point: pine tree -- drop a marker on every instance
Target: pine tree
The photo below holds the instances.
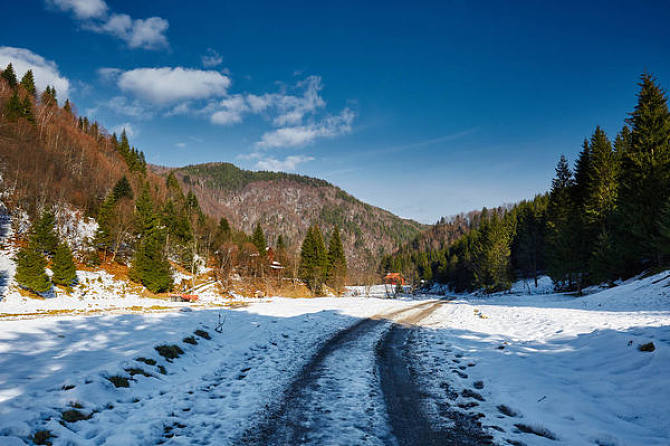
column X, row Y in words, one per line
column 144, row 210
column 44, row 232
column 64, row 270
column 14, row 107
column 28, row 82
column 281, row 244
column 122, row 189
column 313, row 260
column 561, row 263
column 9, row 76
column 337, row 263
column 30, row 269
column 103, row 235
column 48, row 97
column 27, row 109
column 645, row 179
column 258, row 239
column 224, row 227
column 601, row 196
column 150, row 267
column 67, row 107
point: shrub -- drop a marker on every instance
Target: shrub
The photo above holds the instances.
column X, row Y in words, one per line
column 147, row 361
column 190, row 340
column 169, row 352
column 203, row 334
column 74, row 415
column 119, row 381
column 42, row 437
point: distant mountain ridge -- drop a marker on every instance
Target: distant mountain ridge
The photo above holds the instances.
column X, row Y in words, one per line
column 288, row 204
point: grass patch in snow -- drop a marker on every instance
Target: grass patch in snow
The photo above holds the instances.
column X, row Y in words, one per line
column 203, row 334
column 190, row 340
column 169, row 352
column 132, row 371
column 42, row 437
column 162, row 370
column 648, row 347
column 74, row 415
column 147, row 361
column 119, row 381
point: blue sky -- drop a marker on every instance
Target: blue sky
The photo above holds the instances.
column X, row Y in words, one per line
column 425, row 109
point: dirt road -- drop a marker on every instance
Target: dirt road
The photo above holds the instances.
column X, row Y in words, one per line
column 358, row 389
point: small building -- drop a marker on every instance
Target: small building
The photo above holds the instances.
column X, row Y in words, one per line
column 184, row 298
column 394, row 279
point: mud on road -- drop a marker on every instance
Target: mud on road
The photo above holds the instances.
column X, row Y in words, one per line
column 358, row 389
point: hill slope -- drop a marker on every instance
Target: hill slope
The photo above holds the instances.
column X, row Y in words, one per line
column 288, row 204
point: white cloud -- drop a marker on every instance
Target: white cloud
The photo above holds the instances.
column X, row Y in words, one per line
column 109, row 74
column 297, row 136
column 168, row 85
column 137, row 33
column 82, row 9
column 211, row 58
column 288, row 164
column 130, row 129
column 45, row 71
column 287, row 109
column 122, row 106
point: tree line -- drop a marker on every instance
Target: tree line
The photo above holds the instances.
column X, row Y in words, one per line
column 606, row 218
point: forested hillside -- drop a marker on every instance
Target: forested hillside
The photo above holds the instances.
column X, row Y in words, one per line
column 287, row 205
column 605, row 219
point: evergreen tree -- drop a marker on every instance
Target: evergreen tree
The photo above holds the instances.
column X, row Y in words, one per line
column 67, row 107
column 64, row 270
column 601, row 196
column 122, row 189
column 30, row 269
column 313, row 260
column 44, row 233
column 645, row 180
column 103, row 235
column 27, row 109
column 224, row 227
column 622, row 143
column 150, row 267
column 48, row 97
column 144, row 210
column 258, row 239
column 281, row 244
column 28, row 82
column 337, row 263
column 561, row 263
column 9, row 76
column 14, row 107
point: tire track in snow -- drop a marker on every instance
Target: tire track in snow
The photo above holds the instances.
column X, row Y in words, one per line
column 336, row 398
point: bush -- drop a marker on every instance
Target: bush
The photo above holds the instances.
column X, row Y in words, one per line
column 190, row 340
column 169, row 352
column 42, row 437
column 119, row 381
column 203, row 334
column 74, row 415
column 147, row 361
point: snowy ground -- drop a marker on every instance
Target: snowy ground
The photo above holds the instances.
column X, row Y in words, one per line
column 562, row 367
column 569, row 368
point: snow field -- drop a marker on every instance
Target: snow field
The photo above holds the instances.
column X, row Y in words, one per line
column 209, row 394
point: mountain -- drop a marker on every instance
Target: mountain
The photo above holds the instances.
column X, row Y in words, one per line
column 287, row 204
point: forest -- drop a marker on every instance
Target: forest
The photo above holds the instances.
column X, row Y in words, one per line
column 606, row 218
column 55, row 163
